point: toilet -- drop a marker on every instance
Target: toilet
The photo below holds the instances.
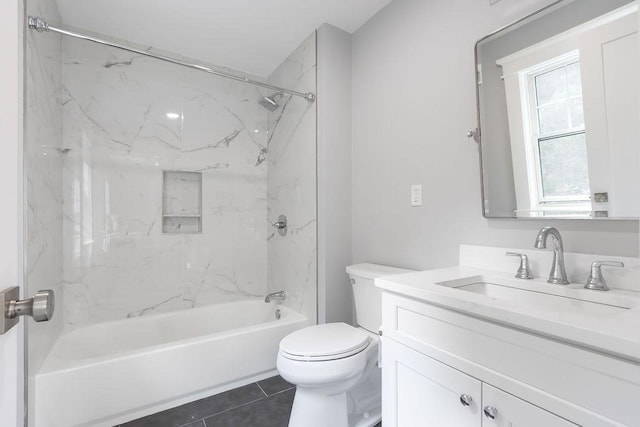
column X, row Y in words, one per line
column 334, row 365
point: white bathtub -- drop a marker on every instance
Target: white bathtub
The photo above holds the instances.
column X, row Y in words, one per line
column 105, row 374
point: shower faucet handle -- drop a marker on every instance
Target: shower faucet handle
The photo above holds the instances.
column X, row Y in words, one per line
column 524, row 271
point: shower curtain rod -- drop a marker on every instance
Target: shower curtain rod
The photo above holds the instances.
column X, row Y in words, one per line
column 40, row 25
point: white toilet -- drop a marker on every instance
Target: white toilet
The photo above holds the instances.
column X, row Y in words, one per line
column 334, row 365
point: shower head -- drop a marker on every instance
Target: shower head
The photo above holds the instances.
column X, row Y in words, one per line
column 269, row 102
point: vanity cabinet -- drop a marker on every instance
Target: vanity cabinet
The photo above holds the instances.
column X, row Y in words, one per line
column 441, row 367
column 420, row 391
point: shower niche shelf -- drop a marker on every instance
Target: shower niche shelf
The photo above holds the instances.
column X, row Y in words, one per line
column 181, row 202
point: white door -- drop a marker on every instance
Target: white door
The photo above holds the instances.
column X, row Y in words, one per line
column 420, row 391
column 501, row 409
column 11, row 343
column 609, row 60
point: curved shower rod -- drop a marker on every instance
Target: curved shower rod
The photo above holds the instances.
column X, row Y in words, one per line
column 40, row 25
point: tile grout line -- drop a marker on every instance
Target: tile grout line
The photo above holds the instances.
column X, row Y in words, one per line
column 231, row 409
column 204, row 419
column 195, row 421
column 282, row 391
column 262, row 390
column 206, row 424
column 235, row 407
column 264, row 396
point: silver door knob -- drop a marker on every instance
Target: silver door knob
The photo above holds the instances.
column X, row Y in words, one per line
column 465, row 400
column 490, row 412
column 40, row 307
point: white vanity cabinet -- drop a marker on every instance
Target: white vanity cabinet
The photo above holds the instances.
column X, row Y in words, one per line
column 441, row 367
column 420, row 391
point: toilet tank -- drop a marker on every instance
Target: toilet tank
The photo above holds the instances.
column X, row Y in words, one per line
column 366, row 295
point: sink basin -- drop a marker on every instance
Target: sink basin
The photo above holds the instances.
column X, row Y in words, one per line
column 543, row 299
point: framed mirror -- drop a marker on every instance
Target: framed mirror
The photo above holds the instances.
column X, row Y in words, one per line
column 558, row 114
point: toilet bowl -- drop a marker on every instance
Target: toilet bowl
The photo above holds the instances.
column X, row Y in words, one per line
column 335, row 366
column 326, row 362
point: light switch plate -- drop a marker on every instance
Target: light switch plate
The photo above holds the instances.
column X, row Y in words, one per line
column 416, row 195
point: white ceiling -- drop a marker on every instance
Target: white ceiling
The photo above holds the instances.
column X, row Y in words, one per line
column 253, row 36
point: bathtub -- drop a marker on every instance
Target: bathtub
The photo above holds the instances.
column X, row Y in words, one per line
column 109, row 373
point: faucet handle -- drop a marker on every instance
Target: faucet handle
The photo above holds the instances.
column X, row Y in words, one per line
column 596, row 280
column 524, row 271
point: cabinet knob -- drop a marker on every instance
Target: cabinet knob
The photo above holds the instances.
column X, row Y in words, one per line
column 490, row 412
column 465, row 399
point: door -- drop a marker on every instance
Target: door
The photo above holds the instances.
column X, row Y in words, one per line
column 11, row 343
column 501, row 409
column 420, row 391
column 610, row 64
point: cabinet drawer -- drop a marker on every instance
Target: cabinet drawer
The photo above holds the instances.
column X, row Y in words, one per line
column 513, row 412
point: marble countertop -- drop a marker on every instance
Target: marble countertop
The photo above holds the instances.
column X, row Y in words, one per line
column 602, row 327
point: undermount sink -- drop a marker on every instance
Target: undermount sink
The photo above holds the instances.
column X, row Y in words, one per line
column 595, row 305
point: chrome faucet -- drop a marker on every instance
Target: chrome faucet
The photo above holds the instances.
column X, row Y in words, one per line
column 558, row 274
column 278, row 296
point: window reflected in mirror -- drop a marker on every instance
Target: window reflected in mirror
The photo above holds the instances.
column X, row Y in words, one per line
column 558, row 100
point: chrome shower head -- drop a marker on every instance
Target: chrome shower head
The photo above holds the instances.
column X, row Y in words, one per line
column 269, row 102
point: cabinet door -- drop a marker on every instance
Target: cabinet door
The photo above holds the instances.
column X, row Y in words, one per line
column 419, row 391
column 509, row 411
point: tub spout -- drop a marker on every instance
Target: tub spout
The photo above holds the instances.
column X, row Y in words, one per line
column 278, row 296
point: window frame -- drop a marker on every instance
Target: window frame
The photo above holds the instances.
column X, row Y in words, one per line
column 533, row 136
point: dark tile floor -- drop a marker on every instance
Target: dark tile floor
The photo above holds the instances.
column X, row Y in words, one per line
column 266, row 403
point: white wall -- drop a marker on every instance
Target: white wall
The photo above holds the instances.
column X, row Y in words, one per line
column 413, row 101
column 11, row 349
column 335, row 298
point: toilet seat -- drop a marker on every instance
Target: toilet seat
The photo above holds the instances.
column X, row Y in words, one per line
column 325, row 342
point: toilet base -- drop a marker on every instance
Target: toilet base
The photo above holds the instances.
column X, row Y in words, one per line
column 359, row 407
column 367, row 419
column 313, row 410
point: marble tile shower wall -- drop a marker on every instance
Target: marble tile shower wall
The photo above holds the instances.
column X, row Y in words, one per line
column 292, row 183
column 43, row 165
column 126, row 120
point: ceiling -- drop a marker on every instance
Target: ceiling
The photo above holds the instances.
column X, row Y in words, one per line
column 253, row 36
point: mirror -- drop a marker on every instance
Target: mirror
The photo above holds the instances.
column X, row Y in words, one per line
column 558, row 113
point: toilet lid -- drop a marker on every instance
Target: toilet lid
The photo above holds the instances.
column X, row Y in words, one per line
column 324, row 342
